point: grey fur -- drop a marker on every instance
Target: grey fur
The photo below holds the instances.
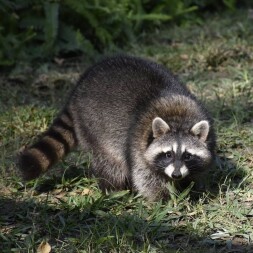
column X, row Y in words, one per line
column 113, row 108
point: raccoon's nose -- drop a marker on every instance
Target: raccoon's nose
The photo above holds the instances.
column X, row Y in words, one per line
column 176, row 175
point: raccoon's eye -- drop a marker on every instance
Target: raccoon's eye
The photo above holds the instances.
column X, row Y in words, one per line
column 168, row 154
column 187, row 157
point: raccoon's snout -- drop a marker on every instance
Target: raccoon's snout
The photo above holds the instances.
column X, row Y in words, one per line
column 176, row 175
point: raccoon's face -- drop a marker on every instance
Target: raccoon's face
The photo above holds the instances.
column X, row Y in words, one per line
column 178, row 154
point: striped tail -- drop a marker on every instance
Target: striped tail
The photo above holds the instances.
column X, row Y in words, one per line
column 54, row 144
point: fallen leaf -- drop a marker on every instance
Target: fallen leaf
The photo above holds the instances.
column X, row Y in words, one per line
column 44, row 247
column 192, row 213
column 59, row 61
column 86, row 191
column 220, row 235
column 184, row 56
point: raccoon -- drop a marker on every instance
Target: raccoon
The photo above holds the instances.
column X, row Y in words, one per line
column 143, row 127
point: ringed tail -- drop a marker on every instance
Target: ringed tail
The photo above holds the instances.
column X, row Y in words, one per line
column 52, row 146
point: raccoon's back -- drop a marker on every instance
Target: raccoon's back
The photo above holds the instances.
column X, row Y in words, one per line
column 112, row 93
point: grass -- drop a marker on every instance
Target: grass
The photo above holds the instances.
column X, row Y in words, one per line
column 65, row 207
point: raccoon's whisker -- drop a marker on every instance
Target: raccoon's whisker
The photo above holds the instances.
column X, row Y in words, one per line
column 161, row 167
column 195, row 169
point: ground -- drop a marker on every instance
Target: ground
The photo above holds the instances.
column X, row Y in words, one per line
column 65, row 208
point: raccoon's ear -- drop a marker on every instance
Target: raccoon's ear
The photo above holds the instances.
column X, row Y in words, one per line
column 159, row 127
column 201, row 130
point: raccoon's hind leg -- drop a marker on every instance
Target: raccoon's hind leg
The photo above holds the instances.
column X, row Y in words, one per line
column 53, row 145
column 112, row 175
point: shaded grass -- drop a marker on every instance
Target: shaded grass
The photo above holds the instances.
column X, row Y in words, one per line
column 67, row 209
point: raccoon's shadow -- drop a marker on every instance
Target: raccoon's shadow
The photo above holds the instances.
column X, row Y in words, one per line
column 70, row 174
column 224, row 175
column 95, row 225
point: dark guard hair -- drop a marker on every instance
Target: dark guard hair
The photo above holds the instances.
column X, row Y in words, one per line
column 128, row 111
